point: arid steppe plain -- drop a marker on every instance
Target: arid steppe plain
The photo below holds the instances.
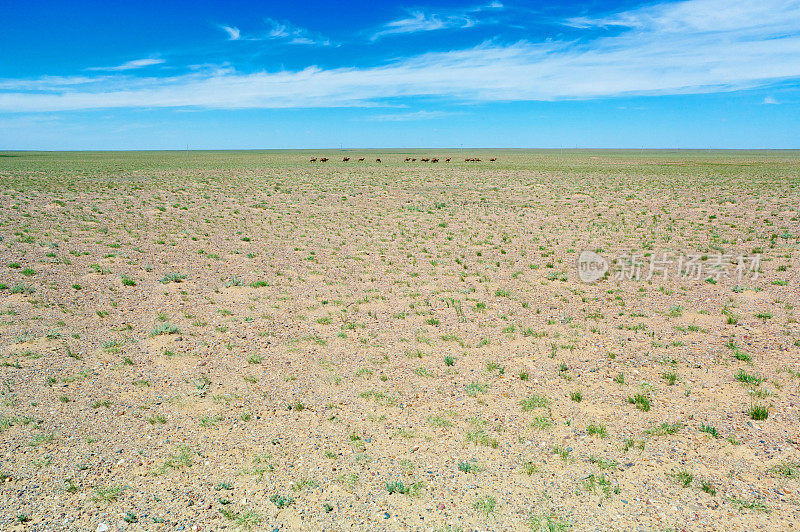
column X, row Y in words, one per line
column 247, row 339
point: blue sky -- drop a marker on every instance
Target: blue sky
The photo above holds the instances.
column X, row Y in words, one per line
column 145, row 75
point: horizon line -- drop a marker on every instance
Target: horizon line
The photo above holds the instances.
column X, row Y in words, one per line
column 385, row 149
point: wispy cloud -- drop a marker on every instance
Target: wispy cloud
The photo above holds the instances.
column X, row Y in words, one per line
column 234, row 34
column 691, row 17
column 419, row 21
column 663, row 49
column 277, row 30
column 294, row 34
column 130, row 65
column 769, row 100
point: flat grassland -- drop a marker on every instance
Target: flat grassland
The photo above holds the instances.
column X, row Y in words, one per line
column 252, row 340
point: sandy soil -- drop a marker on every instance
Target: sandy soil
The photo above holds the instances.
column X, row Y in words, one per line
column 251, row 340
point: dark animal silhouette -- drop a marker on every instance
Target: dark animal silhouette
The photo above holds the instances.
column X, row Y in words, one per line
column 377, row 160
column 424, row 159
column 324, row 159
column 313, row 159
column 407, row 159
column 434, row 160
column 447, row 160
column 345, row 159
column 360, row 159
column 493, row 159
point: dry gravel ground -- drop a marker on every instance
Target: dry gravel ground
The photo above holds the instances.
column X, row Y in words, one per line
column 250, row 340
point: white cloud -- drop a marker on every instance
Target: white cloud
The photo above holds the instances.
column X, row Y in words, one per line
column 769, row 100
column 293, row 34
column 703, row 16
column 419, row 21
column 130, row 65
column 278, row 30
column 281, row 31
column 234, row 34
column 662, row 49
column 47, row 83
column 416, row 22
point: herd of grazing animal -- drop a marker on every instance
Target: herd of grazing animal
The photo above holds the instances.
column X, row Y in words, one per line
column 344, row 159
column 432, row 160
